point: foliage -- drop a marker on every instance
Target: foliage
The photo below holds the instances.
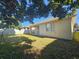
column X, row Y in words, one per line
column 13, row 11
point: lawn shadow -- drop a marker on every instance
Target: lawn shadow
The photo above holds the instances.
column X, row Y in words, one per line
column 21, row 48
column 15, row 48
column 43, row 36
column 61, row 49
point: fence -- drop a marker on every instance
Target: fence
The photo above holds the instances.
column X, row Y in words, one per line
column 11, row 31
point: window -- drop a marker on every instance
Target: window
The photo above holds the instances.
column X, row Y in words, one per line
column 49, row 27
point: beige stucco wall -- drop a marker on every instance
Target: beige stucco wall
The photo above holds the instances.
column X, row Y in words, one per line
column 72, row 23
column 34, row 31
column 61, row 29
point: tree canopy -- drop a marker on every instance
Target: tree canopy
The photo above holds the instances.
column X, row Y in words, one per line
column 15, row 11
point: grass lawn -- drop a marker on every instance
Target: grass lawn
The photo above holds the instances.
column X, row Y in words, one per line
column 33, row 47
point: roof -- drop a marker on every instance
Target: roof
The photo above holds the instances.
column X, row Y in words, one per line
column 48, row 20
column 45, row 21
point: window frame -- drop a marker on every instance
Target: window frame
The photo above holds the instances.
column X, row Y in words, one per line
column 49, row 27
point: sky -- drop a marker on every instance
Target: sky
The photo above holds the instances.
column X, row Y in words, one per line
column 77, row 17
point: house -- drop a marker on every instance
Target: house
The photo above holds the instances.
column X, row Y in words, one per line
column 54, row 27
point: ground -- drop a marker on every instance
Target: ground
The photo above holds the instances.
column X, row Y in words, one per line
column 34, row 47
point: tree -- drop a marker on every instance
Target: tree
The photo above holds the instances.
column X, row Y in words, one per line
column 13, row 11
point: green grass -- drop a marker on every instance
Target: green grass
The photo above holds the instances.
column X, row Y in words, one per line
column 11, row 47
column 33, row 47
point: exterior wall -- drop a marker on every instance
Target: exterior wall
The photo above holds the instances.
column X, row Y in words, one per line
column 72, row 24
column 26, row 31
column 61, row 29
column 34, row 31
